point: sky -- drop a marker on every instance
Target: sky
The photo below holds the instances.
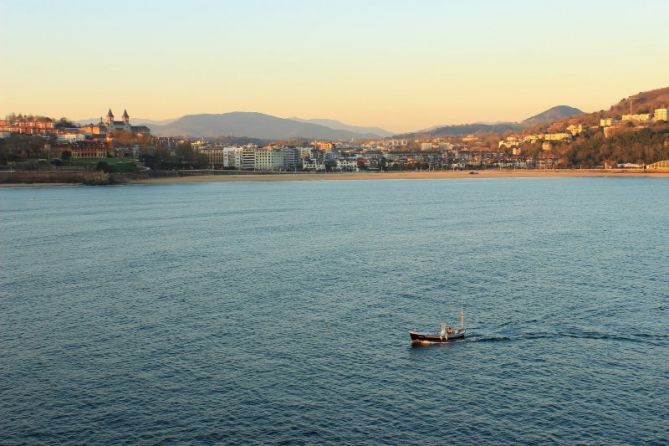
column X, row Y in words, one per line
column 401, row 65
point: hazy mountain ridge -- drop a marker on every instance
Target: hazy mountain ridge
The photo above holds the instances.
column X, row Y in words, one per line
column 249, row 124
column 338, row 125
column 552, row 114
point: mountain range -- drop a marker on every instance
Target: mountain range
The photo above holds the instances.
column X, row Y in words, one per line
column 552, row 114
column 267, row 127
column 259, row 125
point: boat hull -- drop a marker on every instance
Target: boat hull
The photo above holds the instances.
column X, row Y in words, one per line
column 433, row 338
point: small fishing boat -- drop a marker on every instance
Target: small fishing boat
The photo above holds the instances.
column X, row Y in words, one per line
column 446, row 333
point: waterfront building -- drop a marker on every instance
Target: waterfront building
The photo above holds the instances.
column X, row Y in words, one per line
column 659, row 165
column 248, row 158
column 268, row 159
column 313, row 164
column 347, row 164
column 290, row 158
column 215, row 155
column 232, row 157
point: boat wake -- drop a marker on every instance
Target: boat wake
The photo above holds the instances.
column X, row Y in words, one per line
column 646, row 338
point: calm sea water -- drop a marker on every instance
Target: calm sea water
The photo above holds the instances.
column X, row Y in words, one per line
column 233, row 313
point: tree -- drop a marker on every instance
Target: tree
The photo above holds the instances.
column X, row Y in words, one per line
column 103, row 166
column 64, row 123
column 66, row 155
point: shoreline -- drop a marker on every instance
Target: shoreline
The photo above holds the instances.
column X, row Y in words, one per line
column 360, row 176
column 436, row 175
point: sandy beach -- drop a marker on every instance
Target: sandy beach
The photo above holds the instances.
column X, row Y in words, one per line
column 407, row 175
column 360, row 176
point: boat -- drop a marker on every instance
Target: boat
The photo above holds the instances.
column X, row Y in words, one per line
column 446, row 333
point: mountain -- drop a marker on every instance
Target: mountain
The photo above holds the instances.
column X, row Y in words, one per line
column 466, row 129
column 249, row 124
column 552, row 114
column 367, row 131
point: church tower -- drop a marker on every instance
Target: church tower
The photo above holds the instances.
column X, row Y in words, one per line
column 126, row 117
column 110, row 117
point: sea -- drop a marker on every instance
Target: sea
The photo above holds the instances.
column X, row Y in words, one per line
column 279, row 313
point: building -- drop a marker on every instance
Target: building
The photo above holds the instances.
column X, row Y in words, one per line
column 215, row 155
column 268, row 159
column 248, row 158
column 606, row 122
column 557, row 137
column 640, row 117
column 661, row 114
column 347, row 164
column 312, row 164
column 659, row 165
column 232, row 157
column 291, row 158
column 70, row 137
column 111, row 125
column 87, row 150
column 575, row 129
column 28, row 125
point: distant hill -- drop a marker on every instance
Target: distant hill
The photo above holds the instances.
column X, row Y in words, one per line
column 371, row 131
column 552, row 114
column 466, row 129
column 252, row 125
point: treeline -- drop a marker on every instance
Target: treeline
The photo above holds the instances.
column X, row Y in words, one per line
column 641, row 146
column 16, row 148
column 181, row 157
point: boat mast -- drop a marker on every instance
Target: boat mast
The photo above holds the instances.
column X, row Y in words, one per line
column 462, row 319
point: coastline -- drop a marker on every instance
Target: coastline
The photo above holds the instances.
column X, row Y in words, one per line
column 361, row 176
column 353, row 176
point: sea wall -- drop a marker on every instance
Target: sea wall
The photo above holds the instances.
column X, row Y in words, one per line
column 54, row 176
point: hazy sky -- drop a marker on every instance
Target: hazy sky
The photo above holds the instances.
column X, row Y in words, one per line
column 403, row 65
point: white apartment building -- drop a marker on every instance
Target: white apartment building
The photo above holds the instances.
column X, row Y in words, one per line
column 312, row 164
column 232, row 157
column 268, row 159
column 248, row 158
column 347, row 164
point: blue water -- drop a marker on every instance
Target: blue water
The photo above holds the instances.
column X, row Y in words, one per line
column 255, row 312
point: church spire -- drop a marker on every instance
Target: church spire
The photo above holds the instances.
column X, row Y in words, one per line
column 126, row 117
column 110, row 117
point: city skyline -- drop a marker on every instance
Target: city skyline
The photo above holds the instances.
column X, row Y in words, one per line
column 394, row 65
